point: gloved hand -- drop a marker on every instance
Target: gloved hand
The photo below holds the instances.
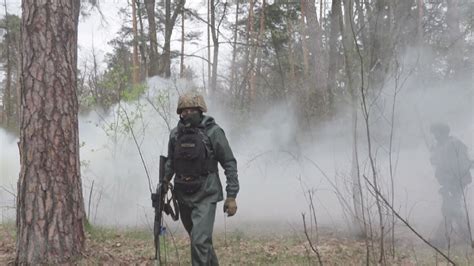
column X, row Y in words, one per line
column 230, row 206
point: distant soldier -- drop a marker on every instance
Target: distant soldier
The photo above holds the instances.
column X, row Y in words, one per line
column 195, row 147
column 452, row 166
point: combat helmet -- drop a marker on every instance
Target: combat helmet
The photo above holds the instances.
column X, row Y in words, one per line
column 191, row 99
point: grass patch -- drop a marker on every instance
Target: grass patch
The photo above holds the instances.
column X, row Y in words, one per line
column 129, row 246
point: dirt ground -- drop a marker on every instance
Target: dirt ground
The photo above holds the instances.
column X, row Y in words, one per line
column 108, row 246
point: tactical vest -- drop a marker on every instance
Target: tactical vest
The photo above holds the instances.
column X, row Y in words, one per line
column 193, row 158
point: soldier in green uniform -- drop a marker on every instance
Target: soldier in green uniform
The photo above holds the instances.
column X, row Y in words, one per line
column 452, row 166
column 195, row 148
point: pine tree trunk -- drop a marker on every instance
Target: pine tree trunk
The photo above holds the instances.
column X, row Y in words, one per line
column 315, row 40
column 255, row 59
column 7, row 96
column 181, row 65
column 304, row 33
column 50, row 208
column 234, row 49
column 247, row 68
column 7, row 99
column 291, row 52
column 136, row 64
column 143, row 47
column 153, row 53
column 420, row 31
column 380, row 47
column 165, row 62
column 333, row 54
column 215, row 42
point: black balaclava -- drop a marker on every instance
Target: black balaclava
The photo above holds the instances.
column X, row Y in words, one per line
column 192, row 119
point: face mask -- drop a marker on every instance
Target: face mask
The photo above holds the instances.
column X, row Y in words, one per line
column 192, row 120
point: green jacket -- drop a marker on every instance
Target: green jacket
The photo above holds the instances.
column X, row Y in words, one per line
column 222, row 153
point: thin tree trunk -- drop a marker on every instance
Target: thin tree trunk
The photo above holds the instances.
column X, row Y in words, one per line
column 256, row 54
column 143, row 48
column 291, row 52
column 136, row 64
column 50, row 207
column 165, row 64
column 181, row 65
column 215, row 42
column 314, row 31
column 209, row 63
column 420, row 22
column 361, row 23
column 380, row 46
column 304, row 34
column 348, row 46
column 234, row 48
column 7, row 99
column 333, row 54
column 247, row 64
column 18, row 84
column 321, row 9
column 153, row 53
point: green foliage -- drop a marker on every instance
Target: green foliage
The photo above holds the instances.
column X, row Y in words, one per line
column 134, row 92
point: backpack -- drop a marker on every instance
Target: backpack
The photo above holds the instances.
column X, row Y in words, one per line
column 193, row 159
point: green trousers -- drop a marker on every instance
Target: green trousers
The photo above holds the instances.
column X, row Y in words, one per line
column 198, row 220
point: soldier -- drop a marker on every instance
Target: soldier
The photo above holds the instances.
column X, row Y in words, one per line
column 195, row 147
column 452, row 166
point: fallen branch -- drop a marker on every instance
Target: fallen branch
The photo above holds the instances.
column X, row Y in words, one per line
column 405, row 222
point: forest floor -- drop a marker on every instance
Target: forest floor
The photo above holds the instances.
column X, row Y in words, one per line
column 107, row 246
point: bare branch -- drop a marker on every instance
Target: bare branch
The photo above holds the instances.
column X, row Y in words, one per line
column 314, row 248
column 138, row 148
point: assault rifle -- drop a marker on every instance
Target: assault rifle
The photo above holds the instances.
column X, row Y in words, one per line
column 162, row 204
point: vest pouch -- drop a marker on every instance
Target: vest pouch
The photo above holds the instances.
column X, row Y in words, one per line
column 188, row 185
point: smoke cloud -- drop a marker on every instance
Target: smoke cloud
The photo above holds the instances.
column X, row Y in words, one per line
column 278, row 162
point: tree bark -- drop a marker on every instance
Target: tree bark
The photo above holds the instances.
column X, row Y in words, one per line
column 7, row 99
column 50, row 208
column 315, row 39
column 143, row 48
column 420, row 31
column 215, row 42
column 181, row 65
column 136, row 63
column 170, row 20
column 208, row 27
column 247, row 68
column 234, row 48
column 333, row 54
column 257, row 54
column 153, row 53
column 380, row 47
column 291, row 52
column 304, row 34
